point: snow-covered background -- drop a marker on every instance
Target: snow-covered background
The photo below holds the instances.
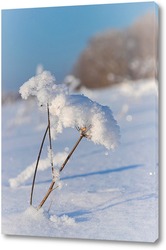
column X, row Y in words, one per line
column 109, row 195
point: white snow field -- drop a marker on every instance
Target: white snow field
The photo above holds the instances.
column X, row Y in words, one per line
column 105, row 195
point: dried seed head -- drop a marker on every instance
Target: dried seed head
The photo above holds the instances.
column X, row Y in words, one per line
column 84, row 131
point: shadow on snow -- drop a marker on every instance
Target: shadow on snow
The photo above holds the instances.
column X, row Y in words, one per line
column 84, row 215
column 106, row 171
column 102, row 172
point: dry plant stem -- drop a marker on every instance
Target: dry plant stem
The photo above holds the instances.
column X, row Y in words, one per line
column 47, row 194
column 49, row 132
column 37, row 163
column 70, row 154
column 63, row 165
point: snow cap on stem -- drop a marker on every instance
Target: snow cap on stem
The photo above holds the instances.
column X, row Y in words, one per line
column 94, row 121
column 43, row 86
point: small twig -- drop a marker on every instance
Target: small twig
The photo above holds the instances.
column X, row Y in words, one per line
column 62, row 167
column 37, row 163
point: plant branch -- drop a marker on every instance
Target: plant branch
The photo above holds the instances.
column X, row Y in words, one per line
column 62, row 167
column 37, row 163
column 47, row 194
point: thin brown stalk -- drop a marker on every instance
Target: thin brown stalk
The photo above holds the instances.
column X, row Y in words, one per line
column 37, row 163
column 62, row 167
column 47, row 194
column 72, row 151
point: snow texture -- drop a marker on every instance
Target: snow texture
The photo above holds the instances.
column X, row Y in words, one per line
column 106, row 195
column 64, row 219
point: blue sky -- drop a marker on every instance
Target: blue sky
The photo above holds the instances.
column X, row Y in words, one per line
column 55, row 36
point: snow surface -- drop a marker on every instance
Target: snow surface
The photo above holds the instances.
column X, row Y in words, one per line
column 108, row 195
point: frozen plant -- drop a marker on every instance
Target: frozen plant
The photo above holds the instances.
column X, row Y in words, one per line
column 93, row 121
column 43, row 86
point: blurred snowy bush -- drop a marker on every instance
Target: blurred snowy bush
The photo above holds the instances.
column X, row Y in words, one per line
column 117, row 55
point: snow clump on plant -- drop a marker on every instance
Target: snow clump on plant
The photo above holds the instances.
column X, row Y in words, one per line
column 43, row 86
column 95, row 121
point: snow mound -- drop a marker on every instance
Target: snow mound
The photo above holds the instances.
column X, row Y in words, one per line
column 33, row 213
column 63, row 220
column 78, row 111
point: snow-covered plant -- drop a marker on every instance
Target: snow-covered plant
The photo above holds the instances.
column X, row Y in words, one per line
column 93, row 121
column 43, row 86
